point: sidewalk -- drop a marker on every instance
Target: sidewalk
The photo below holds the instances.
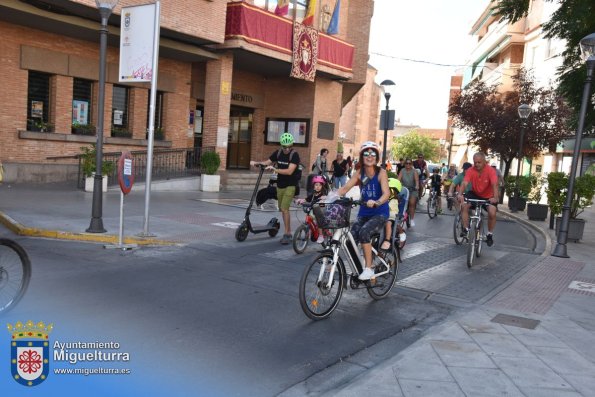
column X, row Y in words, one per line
column 536, row 337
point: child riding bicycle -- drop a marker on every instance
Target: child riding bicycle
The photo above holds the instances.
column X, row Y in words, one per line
column 399, row 197
column 319, row 192
column 435, row 186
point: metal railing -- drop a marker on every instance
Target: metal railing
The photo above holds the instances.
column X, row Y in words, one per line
column 167, row 164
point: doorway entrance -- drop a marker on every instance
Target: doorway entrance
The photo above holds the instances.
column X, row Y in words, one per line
column 240, row 136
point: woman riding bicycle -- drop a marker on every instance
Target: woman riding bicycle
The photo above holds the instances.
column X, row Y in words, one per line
column 375, row 193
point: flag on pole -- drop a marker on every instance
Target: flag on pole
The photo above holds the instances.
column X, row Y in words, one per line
column 333, row 26
column 282, row 7
column 309, row 18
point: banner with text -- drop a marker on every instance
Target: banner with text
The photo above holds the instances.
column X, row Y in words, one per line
column 137, row 34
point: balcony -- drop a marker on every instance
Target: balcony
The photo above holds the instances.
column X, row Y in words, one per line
column 260, row 35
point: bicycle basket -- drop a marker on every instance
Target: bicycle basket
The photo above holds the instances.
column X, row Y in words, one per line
column 332, row 215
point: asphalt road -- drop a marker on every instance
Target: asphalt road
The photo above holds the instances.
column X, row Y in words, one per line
column 223, row 318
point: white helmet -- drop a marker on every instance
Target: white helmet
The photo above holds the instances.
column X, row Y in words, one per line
column 369, row 145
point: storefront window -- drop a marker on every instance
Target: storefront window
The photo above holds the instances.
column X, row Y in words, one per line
column 38, row 102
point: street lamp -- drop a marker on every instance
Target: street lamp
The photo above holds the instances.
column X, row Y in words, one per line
column 388, row 87
column 524, row 112
column 588, row 55
column 105, row 9
column 452, row 134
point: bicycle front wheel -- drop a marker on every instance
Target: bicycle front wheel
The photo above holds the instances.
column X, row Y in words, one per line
column 479, row 239
column 301, row 238
column 432, row 209
column 318, row 298
column 15, row 273
column 379, row 286
column 471, row 244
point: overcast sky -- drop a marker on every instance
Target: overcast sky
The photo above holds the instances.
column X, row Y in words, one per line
column 434, row 31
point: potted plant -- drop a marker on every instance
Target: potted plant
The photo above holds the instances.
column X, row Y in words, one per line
column 535, row 210
column 524, row 188
column 83, row 129
column 209, row 164
column 39, row 125
column 582, row 197
column 88, row 160
column 159, row 134
column 119, row 132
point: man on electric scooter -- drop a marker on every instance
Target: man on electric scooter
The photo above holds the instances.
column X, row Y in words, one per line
column 287, row 161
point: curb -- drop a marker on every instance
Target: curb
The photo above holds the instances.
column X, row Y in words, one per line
column 545, row 234
column 22, row 230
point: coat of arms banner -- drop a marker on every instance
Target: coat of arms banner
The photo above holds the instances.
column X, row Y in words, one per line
column 305, row 52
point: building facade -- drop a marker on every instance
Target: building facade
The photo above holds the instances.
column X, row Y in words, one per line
column 223, row 81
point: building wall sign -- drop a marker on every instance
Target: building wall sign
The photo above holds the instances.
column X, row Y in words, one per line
column 249, row 100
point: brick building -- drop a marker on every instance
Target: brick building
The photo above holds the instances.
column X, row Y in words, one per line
column 223, row 81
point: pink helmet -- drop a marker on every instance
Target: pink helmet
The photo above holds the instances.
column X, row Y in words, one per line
column 318, row 179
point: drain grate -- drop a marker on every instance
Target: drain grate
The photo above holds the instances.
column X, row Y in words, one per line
column 521, row 322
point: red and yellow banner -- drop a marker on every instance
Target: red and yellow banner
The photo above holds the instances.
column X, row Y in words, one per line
column 305, row 52
column 309, row 18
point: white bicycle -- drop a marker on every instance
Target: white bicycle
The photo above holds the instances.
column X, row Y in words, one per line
column 324, row 280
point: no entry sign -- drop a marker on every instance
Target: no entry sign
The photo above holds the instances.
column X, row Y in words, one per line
column 125, row 174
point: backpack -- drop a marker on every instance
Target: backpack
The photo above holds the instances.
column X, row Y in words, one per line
column 297, row 174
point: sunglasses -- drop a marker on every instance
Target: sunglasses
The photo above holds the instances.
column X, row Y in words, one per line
column 369, row 154
column 286, row 147
column 408, row 163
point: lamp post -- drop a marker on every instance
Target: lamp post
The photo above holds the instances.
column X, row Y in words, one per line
column 387, row 86
column 588, row 54
column 524, row 112
column 105, row 9
column 452, row 134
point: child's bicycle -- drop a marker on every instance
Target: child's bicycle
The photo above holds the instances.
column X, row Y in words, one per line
column 306, row 232
column 324, row 280
column 15, row 273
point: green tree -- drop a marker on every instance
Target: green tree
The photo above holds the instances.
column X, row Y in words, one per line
column 492, row 123
column 573, row 20
column 412, row 143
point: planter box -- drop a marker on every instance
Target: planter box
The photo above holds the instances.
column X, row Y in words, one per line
column 90, row 183
column 210, row 183
column 522, row 203
column 537, row 212
column 576, row 228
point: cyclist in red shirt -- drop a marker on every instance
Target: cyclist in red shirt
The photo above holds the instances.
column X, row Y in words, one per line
column 484, row 186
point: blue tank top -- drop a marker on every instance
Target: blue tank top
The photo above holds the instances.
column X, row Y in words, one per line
column 372, row 191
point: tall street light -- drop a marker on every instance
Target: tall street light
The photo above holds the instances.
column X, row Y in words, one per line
column 588, row 55
column 105, row 9
column 452, row 134
column 388, row 87
column 524, row 112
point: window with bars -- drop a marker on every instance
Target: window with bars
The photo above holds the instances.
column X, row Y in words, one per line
column 38, row 102
column 82, row 94
column 158, row 120
column 120, row 112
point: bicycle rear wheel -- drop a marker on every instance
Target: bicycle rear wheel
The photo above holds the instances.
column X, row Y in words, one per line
column 15, row 273
column 471, row 244
column 301, row 237
column 317, row 299
column 457, row 229
column 380, row 286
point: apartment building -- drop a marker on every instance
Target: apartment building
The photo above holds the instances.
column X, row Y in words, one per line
column 224, row 81
column 502, row 48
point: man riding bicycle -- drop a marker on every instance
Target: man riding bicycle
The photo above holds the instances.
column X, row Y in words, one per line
column 484, row 186
column 421, row 165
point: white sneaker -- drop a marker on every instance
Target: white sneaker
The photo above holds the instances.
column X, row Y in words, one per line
column 320, row 240
column 402, row 237
column 412, row 223
column 366, row 274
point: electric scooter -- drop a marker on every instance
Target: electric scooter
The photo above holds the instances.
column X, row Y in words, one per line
column 246, row 226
